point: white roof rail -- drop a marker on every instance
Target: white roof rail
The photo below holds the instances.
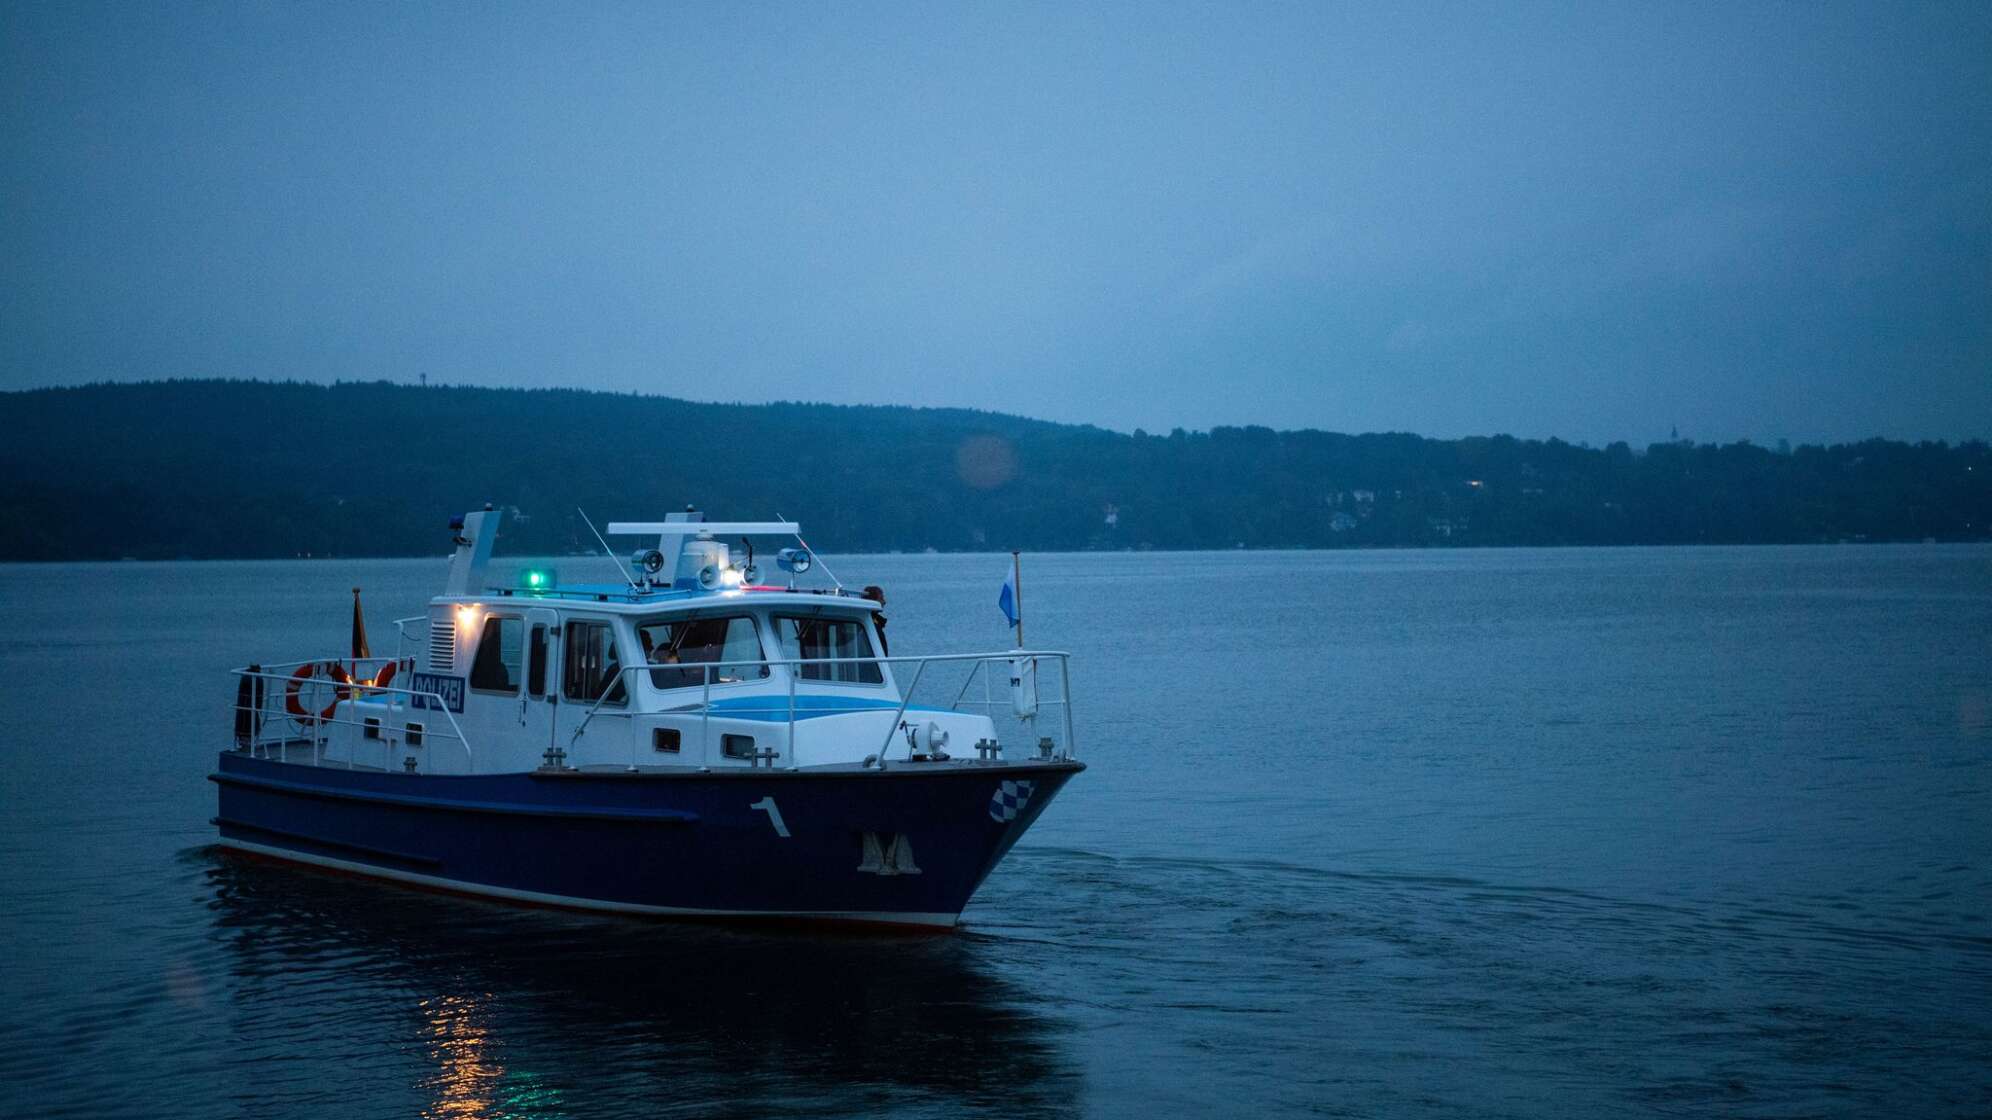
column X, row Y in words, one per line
column 716, row 528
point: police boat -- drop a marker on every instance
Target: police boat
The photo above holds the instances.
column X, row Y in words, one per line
column 689, row 742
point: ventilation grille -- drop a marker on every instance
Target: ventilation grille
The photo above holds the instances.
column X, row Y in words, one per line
column 442, row 647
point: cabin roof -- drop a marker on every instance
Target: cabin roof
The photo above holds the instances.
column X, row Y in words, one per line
column 623, row 599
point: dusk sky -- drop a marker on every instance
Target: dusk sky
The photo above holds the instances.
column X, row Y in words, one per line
column 1587, row 220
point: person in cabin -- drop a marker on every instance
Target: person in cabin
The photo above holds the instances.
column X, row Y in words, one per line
column 651, row 652
column 877, row 595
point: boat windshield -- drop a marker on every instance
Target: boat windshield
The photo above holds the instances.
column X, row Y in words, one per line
column 814, row 638
column 684, row 645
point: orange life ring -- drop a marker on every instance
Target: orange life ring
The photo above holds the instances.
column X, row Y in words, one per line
column 335, row 672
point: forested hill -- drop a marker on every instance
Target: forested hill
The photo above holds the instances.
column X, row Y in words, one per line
column 254, row 469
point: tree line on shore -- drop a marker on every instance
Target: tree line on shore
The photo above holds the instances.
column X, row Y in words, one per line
column 205, row 469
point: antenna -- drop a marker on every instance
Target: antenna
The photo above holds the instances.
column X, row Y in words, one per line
column 606, row 550
column 812, row 552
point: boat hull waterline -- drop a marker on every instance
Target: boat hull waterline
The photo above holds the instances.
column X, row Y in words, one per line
column 904, row 846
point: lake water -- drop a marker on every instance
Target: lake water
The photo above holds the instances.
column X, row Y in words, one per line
column 1451, row 833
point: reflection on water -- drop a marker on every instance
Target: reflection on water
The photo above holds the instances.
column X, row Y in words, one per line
column 465, row 1077
column 517, row 1013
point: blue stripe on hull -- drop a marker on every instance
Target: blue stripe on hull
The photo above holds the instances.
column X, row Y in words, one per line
column 648, row 843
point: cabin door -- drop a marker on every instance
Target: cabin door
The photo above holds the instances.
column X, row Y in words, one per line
column 592, row 694
column 541, row 694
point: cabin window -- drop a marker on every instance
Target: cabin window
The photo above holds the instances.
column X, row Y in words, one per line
column 536, row 663
column 686, row 645
column 499, row 652
column 412, row 735
column 591, row 670
column 666, row 739
column 736, row 746
column 811, row 639
column 370, row 728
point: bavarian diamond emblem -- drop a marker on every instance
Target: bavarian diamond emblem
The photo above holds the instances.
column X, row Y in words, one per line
column 1009, row 800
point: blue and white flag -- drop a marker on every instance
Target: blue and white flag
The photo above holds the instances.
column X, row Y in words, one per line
column 1007, row 599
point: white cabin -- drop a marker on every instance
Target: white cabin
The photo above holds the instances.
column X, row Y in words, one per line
column 692, row 663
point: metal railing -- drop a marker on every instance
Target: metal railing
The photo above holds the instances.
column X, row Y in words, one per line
column 401, row 626
column 278, row 716
column 984, row 665
column 269, row 726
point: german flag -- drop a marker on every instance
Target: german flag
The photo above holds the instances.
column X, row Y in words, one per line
column 360, row 648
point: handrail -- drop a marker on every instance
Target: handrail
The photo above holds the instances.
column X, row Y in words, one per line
column 401, row 630
column 358, row 691
column 1064, row 701
column 273, row 666
column 899, row 716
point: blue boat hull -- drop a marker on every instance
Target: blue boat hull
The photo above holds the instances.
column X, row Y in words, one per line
column 906, row 846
